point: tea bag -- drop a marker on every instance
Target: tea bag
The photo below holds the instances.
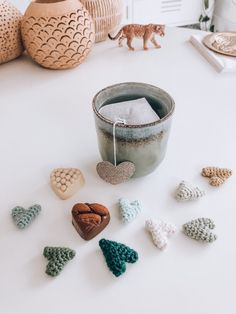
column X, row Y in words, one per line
column 134, row 112
column 115, row 173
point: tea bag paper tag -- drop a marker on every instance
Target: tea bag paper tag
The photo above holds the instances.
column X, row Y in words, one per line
column 134, row 112
column 113, row 173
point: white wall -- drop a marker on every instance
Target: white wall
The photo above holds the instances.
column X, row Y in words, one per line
column 170, row 12
column 178, row 12
column 20, row 4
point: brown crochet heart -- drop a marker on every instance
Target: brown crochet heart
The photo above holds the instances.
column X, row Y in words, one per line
column 115, row 174
column 89, row 219
column 217, row 176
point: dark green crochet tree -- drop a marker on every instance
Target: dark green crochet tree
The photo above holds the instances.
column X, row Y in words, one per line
column 57, row 257
column 116, row 255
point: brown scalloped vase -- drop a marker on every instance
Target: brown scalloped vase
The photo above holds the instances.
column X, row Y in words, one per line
column 10, row 37
column 57, row 34
column 107, row 15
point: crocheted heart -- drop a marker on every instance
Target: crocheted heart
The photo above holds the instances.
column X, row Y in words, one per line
column 58, row 257
column 160, row 232
column 117, row 255
column 217, row 176
column 129, row 210
column 89, row 219
column 200, row 230
column 23, row 217
column 115, row 174
column 65, row 182
column 186, row 192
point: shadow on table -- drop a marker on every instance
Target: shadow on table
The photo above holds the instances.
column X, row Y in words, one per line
column 36, row 272
column 98, row 273
column 34, row 75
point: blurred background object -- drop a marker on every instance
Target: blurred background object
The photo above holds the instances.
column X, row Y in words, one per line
column 106, row 14
column 169, row 12
column 205, row 19
column 225, row 15
column 217, row 15
column 11, row 45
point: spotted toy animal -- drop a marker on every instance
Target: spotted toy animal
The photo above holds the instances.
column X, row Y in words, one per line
column 141, row 31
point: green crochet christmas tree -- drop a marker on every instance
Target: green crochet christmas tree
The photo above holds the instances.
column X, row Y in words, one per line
column 116, row 255
column 57, row 257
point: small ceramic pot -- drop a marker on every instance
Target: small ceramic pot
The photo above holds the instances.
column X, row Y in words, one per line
column 11, row 45
column 57, row 34
column 144, row 145
column 107, row 15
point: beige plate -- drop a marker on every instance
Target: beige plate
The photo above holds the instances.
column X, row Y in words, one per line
column 224, row 43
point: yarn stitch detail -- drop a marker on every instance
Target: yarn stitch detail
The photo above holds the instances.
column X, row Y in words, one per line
column 23, row 217
column 217, row 176
column 116, row 255
column 58, row 257
column 160, row 232
column 200, row 230
column 186, row 192
column 129, row 210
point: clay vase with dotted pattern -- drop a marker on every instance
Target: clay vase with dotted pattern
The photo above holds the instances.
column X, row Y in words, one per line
column 10, row 37
column 57, row 34
column 107, row 15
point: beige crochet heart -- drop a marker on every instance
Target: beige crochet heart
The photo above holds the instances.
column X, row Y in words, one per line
column 115, row 174
column 65, row 182
column 216, row 175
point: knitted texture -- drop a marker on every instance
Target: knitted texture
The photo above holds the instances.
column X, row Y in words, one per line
column 200, row 230
column 129, row 210
column 57, row 257
column 186, row 192
column 23, row 217
column 160, row 232
column 217, row 176
column 116, row 255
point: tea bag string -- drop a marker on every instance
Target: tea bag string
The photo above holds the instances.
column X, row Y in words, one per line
column 123, row 121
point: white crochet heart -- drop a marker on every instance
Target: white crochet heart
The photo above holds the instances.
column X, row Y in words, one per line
column 186, row 192
column 160, row 231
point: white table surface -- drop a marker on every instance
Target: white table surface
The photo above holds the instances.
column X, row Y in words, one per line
column 46, row 121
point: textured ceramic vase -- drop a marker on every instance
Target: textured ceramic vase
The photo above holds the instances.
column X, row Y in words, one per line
column 58, row 34
column 144, row 145
column 106, row 14
column 10, row 37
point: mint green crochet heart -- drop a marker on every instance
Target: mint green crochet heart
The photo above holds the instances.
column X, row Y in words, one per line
column 117, row 255
column 23, row 217
column 129, row 210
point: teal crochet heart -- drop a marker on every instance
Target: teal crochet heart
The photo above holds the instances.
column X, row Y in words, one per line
column 129, row 210
column 200, row 230
column 23, row 217
column 116, row 255
column 58, row 257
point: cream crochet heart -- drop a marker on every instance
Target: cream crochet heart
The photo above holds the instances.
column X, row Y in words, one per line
column 186, row 192
column 65, row 182
column 160, row 232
